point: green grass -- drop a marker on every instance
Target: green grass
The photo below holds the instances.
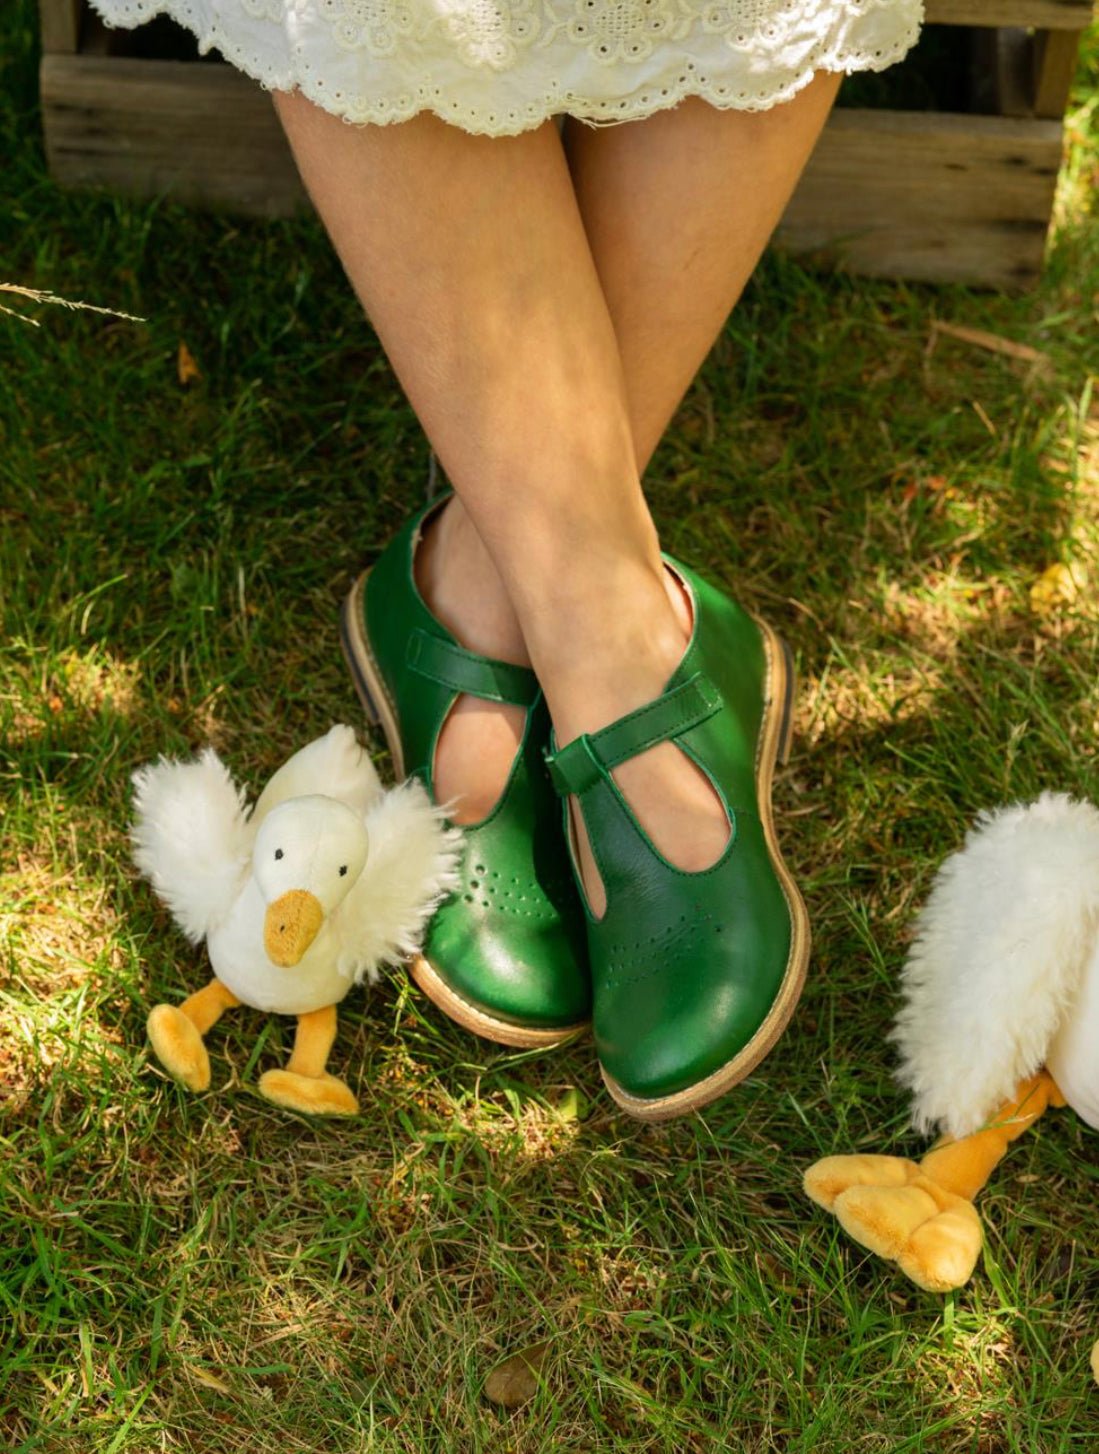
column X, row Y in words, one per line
column 207, row 1274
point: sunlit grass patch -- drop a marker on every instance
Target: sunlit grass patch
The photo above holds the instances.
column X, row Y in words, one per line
column 62, row 955
column 859, row 697
column 74, row 685
column 182, row 1273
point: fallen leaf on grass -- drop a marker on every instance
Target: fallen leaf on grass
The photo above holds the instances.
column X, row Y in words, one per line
column 514, row 1381
column 933, row 484
column 1057, row 586
column 187, row 369
column 572, row 1104
column 208, row 1380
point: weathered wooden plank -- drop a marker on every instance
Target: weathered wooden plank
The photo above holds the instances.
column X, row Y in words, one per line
column 60, row 25
column 1002, row 71
column 925, row 196
column 1054, row 70
column 1043, row 14
column 934, row 197
column 1023, row 73
column 203, row 133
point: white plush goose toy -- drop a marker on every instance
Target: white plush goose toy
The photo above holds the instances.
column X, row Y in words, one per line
column 310, row 892
column 1000, row 1020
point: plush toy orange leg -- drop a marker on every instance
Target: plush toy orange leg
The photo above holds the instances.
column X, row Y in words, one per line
column 176, row 1032
column 305, row 1085
column 922, row 1216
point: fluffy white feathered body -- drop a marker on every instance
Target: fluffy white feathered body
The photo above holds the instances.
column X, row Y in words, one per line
column 378, row 862
column 315, row 981
column 1003, row 975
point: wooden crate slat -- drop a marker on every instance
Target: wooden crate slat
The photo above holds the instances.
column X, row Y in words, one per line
column 1054, row 70
column 925, row 196
column 1042, row 14
column 203, row 132
column 60, row 23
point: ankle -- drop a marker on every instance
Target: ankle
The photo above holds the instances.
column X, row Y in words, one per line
column 597, row 664
column 460, row 584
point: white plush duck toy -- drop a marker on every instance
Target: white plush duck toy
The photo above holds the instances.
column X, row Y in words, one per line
column 325, row 880
column 1000, row 1020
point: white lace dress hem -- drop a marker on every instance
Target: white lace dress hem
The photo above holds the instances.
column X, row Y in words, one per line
column 500, row 67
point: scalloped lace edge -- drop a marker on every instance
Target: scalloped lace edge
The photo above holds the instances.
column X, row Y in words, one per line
column 358, row 111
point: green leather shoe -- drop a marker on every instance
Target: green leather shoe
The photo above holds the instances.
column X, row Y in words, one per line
column 505, row 955
column 694, row 975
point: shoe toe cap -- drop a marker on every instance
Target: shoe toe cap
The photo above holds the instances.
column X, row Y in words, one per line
column 659, row 1034
column 532, row 975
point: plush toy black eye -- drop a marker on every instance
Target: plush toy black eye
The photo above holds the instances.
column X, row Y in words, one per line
column 343, row 869
column 278, row 852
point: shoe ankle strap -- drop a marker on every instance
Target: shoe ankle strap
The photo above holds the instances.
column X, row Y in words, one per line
column 464, row 671
column 580, row 765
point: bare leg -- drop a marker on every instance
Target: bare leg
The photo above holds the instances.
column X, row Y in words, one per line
column 677, row 210
column 479, row 739
column 471, row 258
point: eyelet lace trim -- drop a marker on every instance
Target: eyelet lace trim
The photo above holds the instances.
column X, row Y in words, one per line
column 499, row 67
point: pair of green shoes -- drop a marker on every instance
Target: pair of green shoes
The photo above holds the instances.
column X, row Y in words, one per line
column 688, row 978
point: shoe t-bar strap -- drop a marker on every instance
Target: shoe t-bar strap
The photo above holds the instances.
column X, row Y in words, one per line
column 464, row 671
column 577, row 767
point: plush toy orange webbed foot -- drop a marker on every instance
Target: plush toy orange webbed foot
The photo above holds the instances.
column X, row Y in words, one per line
column 176, row 1033
column 889, row 1206
column 305, row 1084
column 922, row 1216
column 315, row 1095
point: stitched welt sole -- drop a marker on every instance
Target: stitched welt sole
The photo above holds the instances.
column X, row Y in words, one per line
column 376, row 702
column 371, row 689
column 521, row 1037
column 774, row 741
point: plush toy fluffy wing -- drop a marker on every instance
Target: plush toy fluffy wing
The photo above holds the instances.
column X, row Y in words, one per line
column 192, row 839
column 334, row 765
column 1000, row 947
column 410, row 868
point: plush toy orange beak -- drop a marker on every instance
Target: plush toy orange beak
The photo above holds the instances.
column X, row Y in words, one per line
column 290, row 926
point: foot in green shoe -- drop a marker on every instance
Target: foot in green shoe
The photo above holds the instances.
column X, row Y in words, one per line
column 672, row 799
column 504, row 956
column 479, row 739
column 696, row 970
